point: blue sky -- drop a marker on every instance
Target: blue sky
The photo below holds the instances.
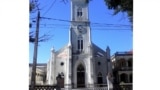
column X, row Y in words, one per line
column 117, row 36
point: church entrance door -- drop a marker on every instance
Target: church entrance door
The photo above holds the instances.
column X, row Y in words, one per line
column 100, row 79
column 80, row 76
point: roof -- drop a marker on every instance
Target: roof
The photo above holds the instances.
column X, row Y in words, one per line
column 123, row 53
column 97, row 51
column 38, row 64
column 130, row 52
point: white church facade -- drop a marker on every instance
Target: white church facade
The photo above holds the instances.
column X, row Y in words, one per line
column 81, row 63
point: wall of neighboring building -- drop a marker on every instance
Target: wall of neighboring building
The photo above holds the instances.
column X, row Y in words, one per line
column 40, row 74
column 122, row 69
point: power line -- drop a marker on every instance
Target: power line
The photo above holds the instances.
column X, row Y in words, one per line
column 105, row 24
column 94, row 26
column 56, row 19
column 97, row 27
column 49, row 7
column 46, row 3
column 108, row 29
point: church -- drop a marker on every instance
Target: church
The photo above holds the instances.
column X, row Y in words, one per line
column 81, row 63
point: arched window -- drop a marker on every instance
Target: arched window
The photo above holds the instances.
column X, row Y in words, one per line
column 99, row 74
column 123, row 62
column 79, row 12
column 130, row 78
column 99, row 79
column 130, row 62
column 80, row 68
column 80, row 43
column 80, row 76
column 124, row 78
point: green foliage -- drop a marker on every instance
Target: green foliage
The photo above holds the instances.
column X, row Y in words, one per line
column 87, row 1
column 121, row 6
column 31, row 6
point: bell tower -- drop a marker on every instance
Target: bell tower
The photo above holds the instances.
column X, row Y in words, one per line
column 79, row 28
column 80, row 41
column 78, row 60
column 79, row 10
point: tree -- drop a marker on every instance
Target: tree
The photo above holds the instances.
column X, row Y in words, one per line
column 87, row 1
column 33, row 7
column 121, row 6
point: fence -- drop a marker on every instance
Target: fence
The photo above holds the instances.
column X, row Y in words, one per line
column 96, row 87
column 49, row 87
column 44, row 87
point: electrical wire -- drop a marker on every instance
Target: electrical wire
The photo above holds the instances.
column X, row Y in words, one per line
column 103, row 29
column 49, row 7
column 90, row 23
column 93, row 27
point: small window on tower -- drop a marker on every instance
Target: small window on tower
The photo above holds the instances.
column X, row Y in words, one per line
column 82, row 44
column 79, row 12
column 78, row 44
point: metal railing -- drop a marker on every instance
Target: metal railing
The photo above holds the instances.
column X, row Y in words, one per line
column 92, row 88
column 122, row 87
column 44, row 87
column 55, row 87
column 96, row 87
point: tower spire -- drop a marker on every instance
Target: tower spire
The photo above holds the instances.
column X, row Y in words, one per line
column 108, row 52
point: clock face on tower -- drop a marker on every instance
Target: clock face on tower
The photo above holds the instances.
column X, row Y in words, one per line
column 81, row 29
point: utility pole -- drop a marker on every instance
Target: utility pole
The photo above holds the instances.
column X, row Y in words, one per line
column 33, row 77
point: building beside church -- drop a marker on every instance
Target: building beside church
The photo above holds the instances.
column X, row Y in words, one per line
column 122, row 65
column 80, row 63
column 40, row 73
